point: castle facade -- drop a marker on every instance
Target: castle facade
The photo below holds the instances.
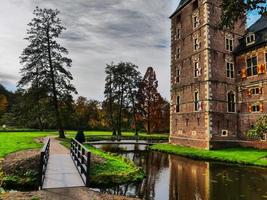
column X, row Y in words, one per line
column 218, row 78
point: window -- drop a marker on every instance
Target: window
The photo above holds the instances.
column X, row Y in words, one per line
column 178, row 53
column 230, row 70
column 231, row 101
column 224, row 133
column 255, row 91
column 250, row 39
column 252, row 68
column 196, row 44
column 196, row 101
column 178, row 19
column 195, row 21
column 197, row 70
column 178, row 33
column 178, row 104
column 255, row 108
column 178, row 73
column 229, row 44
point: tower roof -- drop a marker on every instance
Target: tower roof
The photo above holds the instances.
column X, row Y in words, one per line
column 180, row 6
column 259, row 25
column 259, row 28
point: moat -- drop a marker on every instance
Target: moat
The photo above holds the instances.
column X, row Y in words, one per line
column 171, row 177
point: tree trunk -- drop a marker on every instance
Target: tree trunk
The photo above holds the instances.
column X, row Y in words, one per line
column 120, row 111
column 54, row 91
column 134, row 114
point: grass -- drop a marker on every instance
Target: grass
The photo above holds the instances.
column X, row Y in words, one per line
column 114, row 170
column 109, row 133
column 247, row 156
column 16, row 141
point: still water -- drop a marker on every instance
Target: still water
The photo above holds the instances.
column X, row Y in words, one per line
column 171, row 177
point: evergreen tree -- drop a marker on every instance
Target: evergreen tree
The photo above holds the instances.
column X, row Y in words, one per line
column 44, row 60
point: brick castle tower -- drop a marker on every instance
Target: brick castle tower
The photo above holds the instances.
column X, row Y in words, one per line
column 203, row 78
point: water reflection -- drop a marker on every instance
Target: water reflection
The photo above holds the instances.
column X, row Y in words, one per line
column 170, row 177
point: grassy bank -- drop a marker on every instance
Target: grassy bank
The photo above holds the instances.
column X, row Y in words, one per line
column 107, row 134
column 245, row 156
column 112, row 170
column 17, row 141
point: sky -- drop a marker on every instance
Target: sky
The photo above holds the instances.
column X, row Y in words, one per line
column 98, row 33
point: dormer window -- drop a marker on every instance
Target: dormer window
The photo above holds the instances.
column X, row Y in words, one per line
column 250, row 39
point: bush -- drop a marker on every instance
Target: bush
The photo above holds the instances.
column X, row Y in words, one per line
column 259, row 129
column 80, row 136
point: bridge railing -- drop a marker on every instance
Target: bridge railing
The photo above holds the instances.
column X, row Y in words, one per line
column 122, row 137
column 43, row 162
column 81, row 158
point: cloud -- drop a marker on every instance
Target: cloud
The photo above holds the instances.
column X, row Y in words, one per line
column 98, row 32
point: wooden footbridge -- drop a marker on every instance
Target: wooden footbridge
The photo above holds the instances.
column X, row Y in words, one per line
column 128, row 142
column 61, row 168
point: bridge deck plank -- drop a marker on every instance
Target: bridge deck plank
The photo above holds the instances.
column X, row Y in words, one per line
column 61, row 171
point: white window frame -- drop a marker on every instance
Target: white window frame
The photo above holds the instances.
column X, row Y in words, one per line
column 229, row 42
column 231, row 91
column 250, row 39
column 231, row 70
column 178, row 53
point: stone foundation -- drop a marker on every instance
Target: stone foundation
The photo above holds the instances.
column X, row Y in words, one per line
column 189, row 142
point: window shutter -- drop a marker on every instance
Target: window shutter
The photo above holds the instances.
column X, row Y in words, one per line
column 249, row 108
column 261, row 107
column 261, row 69
column 243, row 73
column 260, row 90
column 249, row 92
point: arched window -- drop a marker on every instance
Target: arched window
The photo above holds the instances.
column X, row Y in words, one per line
column 231, row 101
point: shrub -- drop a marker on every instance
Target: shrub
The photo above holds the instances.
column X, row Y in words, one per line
column 80, row 136
column 259, row 129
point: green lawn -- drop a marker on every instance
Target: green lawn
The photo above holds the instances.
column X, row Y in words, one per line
column 109, row 133
column 16, row 141
column 115, row 170
column 246, row 156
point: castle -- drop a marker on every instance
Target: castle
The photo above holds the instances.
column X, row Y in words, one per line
column 218, row 77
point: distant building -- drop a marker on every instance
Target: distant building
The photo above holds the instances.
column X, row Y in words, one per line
column 218, row 78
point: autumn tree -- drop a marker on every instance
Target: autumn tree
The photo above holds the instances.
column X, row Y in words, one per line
column 3, row 104
column 149, row 101
column 120, row 92
column 235, row 10
column 44, row 60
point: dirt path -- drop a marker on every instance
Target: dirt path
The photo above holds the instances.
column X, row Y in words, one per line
column 81, row 193
column 56, row 147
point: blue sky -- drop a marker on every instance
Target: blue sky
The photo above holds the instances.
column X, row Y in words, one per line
column 98, row 32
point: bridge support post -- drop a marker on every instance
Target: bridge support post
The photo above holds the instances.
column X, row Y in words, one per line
column 88, row 169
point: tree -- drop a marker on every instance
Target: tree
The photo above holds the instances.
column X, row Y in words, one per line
column 121, row 83
column 149, row 100
column 234, row 10
column 259, row 129
column 3, row 103
column 44, row 60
